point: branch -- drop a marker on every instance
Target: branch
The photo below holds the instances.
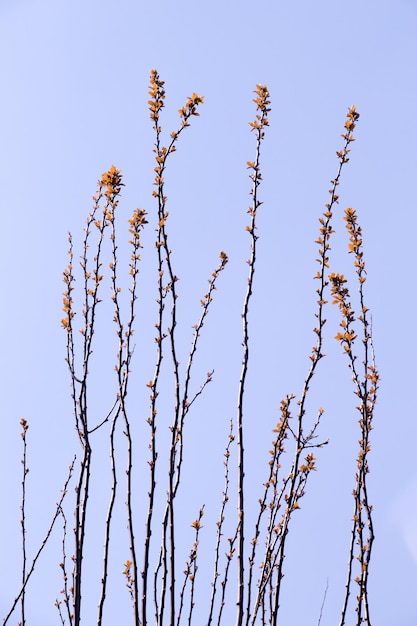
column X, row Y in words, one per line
column 261, row 121
column 43, row 544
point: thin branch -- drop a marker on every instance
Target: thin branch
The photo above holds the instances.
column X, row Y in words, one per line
column 326, row 231
column 366, row 385
column 125, row 353
column 25, row 470
column 109, row 517
column 261, row 121
column 109, row 187
column 219, row 524
column 63, row 565
column 43, row 544
column 167, row 550
column 323, row 602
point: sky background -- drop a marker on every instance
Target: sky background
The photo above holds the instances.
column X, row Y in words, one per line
column 75, row 78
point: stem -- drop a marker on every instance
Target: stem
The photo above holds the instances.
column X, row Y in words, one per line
column 25, row 427
column 262, row 102
column 43, row 544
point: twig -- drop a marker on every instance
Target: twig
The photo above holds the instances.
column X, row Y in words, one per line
column 261, row 121
column 167, row 550
column 63, row 565
column 323, row 602
column 43, row 544
column 23, row 434
column 366, row 385
column 326, row 231
column 219, row 524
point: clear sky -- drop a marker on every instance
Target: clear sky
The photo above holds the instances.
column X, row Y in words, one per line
column 74, row 101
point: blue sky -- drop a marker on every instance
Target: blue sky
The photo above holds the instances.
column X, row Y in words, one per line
column 75, row 80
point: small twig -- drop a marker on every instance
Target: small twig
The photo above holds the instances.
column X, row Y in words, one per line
column 185, row 402
column 106, row 419
column 63, row 566
column 191, row 570
column 193, row 561
column 23, row 434
column 219, row 524
column 229, row 557
column 43, row 544
column 323, row 602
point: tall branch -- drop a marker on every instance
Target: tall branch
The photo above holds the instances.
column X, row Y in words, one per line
column 167, row 553
column 366, row 385
column 261, row 121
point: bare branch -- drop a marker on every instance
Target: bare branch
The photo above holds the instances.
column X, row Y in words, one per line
column 31, row 569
